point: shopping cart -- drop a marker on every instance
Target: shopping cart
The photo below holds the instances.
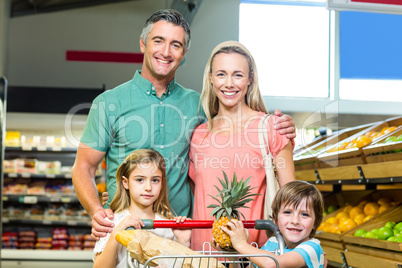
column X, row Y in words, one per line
column 209, row 257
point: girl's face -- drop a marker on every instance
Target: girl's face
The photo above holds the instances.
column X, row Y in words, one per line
column 296, row 223
column 144, row 184
column 230, row 78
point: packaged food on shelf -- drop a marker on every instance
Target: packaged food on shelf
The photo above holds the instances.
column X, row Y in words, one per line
column 12, row 139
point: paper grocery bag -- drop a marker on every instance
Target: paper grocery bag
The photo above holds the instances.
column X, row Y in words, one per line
column 144, row 245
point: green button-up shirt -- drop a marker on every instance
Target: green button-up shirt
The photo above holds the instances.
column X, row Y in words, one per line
column 132, row 116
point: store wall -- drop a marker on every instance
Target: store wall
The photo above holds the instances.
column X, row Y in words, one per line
column 37, row 46
column 4, row 11
column 38, row 43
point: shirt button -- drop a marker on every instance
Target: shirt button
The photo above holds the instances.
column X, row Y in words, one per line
column 185, row 117
column 160, row 102
column 162, row 146
column 162, row 125
column 148, row 92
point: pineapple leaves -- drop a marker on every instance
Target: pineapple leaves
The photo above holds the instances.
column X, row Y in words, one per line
column 233, row 195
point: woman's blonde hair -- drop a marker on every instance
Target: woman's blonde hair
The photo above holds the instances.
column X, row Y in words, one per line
column 121, row 201
column 253, row 98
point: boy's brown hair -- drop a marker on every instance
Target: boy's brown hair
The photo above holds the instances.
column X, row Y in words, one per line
column 293, row 193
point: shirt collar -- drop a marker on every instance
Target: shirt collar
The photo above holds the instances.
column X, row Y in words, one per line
column 147, row 86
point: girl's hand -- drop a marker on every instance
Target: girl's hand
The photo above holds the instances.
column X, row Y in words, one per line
column 235, row 229
column 183, row 235
column 129, row 221
column 105, row 198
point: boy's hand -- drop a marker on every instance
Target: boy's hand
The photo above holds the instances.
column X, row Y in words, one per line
column 235, row 229
column 183, row 235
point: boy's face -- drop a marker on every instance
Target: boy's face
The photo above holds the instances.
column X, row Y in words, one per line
column 296, row 223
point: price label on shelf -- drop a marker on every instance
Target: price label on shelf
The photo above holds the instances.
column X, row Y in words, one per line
column 26, row 175
column 47, row 222
column 66, row 199
column 72, row 223
column 12, row 175
column 50, row 176
column 29, row 199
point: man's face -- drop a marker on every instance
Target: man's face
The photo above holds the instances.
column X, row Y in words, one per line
column 163, row 51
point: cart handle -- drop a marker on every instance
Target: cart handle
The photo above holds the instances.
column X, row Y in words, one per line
column 193, row 224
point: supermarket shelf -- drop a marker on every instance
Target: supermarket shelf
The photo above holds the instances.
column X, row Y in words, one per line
column 24, row 221
column 41, row 149
column 373, row 173
column 37, row 176
column 57, row 255
column 34, row 199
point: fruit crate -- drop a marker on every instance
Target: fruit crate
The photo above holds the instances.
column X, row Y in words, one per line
column 310, row 144
column 379, row 151
column 355, row 156
column 307, row 158
column 393, row 214
column 354, row 199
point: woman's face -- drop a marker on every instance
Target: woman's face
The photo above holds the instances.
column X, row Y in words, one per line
column 230, row 79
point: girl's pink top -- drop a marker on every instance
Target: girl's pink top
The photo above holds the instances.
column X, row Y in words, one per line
column 211, row 153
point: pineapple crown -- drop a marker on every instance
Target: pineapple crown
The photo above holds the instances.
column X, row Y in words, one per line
column 233, row 195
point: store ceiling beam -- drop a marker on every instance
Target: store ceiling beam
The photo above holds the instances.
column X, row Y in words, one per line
column 31, row 7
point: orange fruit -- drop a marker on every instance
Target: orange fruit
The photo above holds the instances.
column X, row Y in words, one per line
column 371, row 209
column 363, row 141
column 359, row 218
column 384, row 207
column 348, row 208
column 355, row 211
column 323, row 225
column 384, row 200
column 332, row 220
column 342, row 215
column 368, row 218
column 327, row 228
column 347, row 225
column 334, row 228
column 387, row 130
column 363, row 203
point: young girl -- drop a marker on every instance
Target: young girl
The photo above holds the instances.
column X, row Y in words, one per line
column 141, row 194
column 297, row 210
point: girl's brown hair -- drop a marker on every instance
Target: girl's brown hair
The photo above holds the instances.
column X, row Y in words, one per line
column 121, row 201
column 292, row 194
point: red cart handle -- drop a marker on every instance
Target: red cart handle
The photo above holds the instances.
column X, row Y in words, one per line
column 192, row 224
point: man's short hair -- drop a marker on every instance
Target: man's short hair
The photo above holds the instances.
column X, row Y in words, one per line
column 168, row 15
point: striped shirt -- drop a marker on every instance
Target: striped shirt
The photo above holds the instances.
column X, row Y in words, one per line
column 310, row 250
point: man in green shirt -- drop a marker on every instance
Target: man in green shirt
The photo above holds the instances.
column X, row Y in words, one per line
column 150, row 111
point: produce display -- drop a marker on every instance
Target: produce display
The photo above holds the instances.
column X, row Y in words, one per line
column 351, row 216
column 392, row 139
column 391, row 231
column 362, row 140
column 232, row 196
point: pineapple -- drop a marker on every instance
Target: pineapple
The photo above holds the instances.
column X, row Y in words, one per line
column 232, row 196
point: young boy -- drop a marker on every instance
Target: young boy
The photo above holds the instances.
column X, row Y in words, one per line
column 297, row 210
